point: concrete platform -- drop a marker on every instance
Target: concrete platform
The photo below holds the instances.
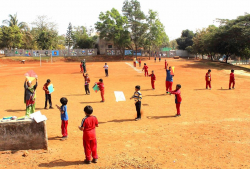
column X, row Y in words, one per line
column 23, row 135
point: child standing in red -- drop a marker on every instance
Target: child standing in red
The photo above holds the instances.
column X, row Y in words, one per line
column 81, row 67
column 101, row 88
column 145, row 68
column 178, row 99
column 153, row 78
column 166, row 64
column 64, row 117
column 208, row 79
column 88, row 125
column 139, row 62
column 232, row 79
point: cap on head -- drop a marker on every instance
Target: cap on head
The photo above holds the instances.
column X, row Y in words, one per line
column 138, row 87
column 48, row 80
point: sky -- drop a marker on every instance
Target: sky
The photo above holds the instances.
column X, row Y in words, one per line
column 176, row 15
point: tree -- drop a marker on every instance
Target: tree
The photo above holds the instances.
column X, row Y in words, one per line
column 69, row 37
column 173, row 44
column 61, row 42
column 45, row 33
column 136, row 21
column 113, row 27
column 82, row 37
column 185, row 40
column 14, row 22
column 11, row 37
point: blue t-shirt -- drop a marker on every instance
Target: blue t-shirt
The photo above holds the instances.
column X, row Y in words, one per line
column 64, row 116
column 169, row 76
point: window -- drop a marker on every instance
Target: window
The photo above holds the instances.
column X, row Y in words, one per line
column 110, row 46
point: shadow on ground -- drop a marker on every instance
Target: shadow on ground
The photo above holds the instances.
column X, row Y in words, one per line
column 159, row 117
column 60, row 163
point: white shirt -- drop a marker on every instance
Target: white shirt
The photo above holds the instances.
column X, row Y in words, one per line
column 106, row 66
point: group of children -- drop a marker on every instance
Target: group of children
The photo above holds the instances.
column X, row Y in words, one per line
column 208, row 79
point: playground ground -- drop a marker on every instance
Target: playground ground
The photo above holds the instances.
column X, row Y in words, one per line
column 213, row 131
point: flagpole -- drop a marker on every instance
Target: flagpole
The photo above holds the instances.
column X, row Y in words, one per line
column 40, row 61
column 51, row 57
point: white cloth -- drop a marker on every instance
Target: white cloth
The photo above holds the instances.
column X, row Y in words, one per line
column 106, row 67
column 119, row 95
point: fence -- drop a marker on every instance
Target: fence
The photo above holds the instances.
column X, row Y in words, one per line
column 36, row 53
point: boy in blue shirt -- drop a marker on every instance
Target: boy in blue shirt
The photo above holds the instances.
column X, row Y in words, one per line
column 64, row 117
column 169, row 80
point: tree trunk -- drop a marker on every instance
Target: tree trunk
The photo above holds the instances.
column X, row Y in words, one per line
column 149, row 53
column 136, row 52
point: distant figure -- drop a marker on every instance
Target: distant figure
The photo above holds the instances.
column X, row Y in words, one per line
column 86, row 84
column 134, row 62
column 153, row 79
column 106, row 67
column 232, row 79
column 159, row 57
column 208, row 79
column 84, row 66
column 139, row 62
column 145, row 68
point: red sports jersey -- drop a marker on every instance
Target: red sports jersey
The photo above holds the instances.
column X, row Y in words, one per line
column 101, row 86
column 89, row 123
column 208, row 77
column 152, row 77
column 232, row 77
column 177, row 94
column 145, row 67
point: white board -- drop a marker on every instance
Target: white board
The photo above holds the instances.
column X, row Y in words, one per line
column 119, row 95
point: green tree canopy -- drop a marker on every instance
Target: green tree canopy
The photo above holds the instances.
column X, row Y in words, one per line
column 185, row 40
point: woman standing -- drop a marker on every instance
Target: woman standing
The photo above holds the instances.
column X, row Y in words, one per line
column 30, row 96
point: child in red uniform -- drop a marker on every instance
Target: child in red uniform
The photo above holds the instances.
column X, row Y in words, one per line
column 101, row 87
column 81, row 67
column 64, row 117
column 139, row 62
column 208, row 79
column 178, row 99
column 166, row 64
column 153, row 78
column 145, row 68
column 88, row 125
column 232, row 79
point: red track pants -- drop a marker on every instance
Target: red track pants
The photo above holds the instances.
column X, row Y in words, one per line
column 178, row 105
column 230, row 82
column 146, row 73
column 134, row 64
column 64, row 128
column 102, row 95
column 153, row 84
column 169, row 86
column 90, row 146
column 208, row 83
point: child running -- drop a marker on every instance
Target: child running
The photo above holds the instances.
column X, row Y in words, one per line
column 178, row 99
column 137, row 97
column 232, row 79
column 88, row 125
column 101, row 88
column 106, row 67
column 145, row 68
column 87, row 81
column 153, row 78
column 64, row 117
column 208, row 79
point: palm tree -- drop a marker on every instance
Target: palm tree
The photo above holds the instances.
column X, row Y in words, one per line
column 13, row 21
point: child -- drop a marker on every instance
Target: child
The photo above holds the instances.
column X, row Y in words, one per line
column 137, row 97
column 87, row 81
column 232, row 79
column 159, row 57
column 84, row 66
column 155, row 57
column 169, row 80
column 139, row 62
column 145, row 68
column 106, row 69
column 47, row 94
column 208, row 79
column 81, row 67
column 64, row 117
column 178, row 99
column 88, row 125
column 166, row 64
column 134, row 62
column 101, row 88
column 153, row 78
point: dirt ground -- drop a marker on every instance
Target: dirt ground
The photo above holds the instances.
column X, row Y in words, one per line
column 213, row 131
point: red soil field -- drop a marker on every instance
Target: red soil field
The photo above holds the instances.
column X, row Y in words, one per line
column 213, row 131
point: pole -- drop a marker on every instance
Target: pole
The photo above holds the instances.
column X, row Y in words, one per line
column 40, row 61
column 51, row 57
